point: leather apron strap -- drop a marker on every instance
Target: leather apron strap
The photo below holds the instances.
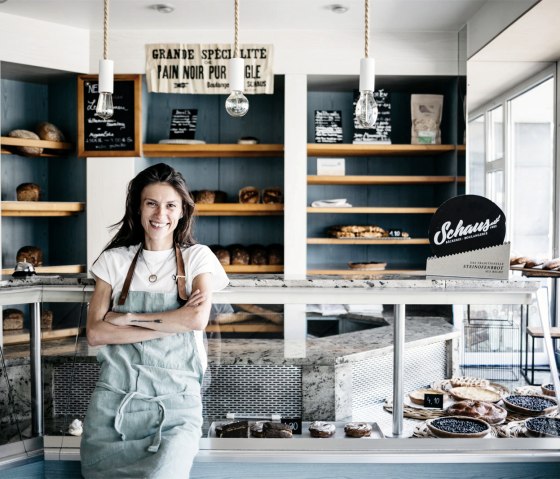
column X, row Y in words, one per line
column 179, row 277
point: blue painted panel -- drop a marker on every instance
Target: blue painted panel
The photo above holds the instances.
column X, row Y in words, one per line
column 33, row 470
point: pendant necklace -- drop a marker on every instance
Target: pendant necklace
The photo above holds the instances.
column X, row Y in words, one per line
column 154, row 276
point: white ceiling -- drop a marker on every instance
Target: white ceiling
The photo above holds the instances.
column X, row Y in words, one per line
column 385, row 15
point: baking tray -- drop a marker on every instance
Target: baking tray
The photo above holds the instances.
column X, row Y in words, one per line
column 537, row 272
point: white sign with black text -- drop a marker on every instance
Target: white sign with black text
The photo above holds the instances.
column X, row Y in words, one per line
column 202, row 69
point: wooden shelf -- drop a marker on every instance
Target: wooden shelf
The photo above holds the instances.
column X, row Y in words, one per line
column 21, row 336
column 357, row 241
column 53, row 146
column 461, row 148
column 238, row 209
column 61, row 269
column 40, row 208
column 232, row 150
column 374, row 210
column 339, row 270
column 340, row 149
column 254, row 268
column 461, row 179
column 245, row 328
column 378, row 180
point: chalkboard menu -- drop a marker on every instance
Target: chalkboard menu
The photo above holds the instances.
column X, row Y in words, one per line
column 183, row 124
column 118, row 136
column 381, row 131
column 328, row 126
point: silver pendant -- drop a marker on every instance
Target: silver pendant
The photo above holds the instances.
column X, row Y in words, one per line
column 152, row 278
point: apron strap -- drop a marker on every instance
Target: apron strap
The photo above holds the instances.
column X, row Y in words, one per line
column 128, row 280
column 181, row 279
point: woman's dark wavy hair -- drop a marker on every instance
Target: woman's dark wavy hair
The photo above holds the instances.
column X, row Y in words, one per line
column 130, row 230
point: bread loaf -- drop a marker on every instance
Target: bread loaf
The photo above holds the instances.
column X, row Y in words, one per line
column 49, row 132
column 46, row 319
column 272, row 195
column 533, row 262
column 552, row 264
column 248, row 194
column 204, row 196
column 30, row 254
column 238, row 254
column 486, row 411
column 275, row 254
column 26, row 150
column 12, row 319
column 257, row 254
column 28, row 192
column 221, row 253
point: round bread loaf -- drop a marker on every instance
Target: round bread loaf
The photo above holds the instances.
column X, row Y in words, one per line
column 238, row 254
column 257, row 254
column 30, row 254
column 12, row 319
column 249, row 195
column 272, row 195
column 28, row 135
column 28, row 192
column 223, row 255
column 275, row 254
column 357, row 429
column 322, row 429
column 204, row 196
column 46, row 319
column 486, row 411
column 49, row 132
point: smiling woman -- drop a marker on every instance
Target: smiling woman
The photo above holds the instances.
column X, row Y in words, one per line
column 145, row 415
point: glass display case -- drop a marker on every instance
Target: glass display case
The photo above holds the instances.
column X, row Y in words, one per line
column 355, row 355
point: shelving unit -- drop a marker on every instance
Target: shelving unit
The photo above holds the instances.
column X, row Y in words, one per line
column 232, row 150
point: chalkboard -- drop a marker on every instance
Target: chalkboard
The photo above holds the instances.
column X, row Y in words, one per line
column 328, row 126
column 183, row 124
column 118, row 136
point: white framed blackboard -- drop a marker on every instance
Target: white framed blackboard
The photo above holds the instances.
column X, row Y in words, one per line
column 118, row 136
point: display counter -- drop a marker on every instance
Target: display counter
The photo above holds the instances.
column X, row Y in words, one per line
column 342, row 377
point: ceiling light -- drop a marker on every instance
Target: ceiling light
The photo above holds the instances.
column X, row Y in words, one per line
column 336, row 8
column 237, row 104
column 366, row 107
column 162, row 8
column 104, row 107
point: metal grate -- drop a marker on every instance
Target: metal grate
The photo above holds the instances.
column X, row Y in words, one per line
column 372, row 379
column 251, row 390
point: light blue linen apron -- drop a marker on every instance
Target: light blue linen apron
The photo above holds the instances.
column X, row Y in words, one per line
column 145, row 415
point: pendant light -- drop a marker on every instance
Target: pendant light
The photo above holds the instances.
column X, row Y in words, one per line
column 237, row 104
column 104, row 108
column 366, row 108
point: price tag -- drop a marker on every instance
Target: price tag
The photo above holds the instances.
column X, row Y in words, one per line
column 294, row 423
column 395, row 233
column 433, row 400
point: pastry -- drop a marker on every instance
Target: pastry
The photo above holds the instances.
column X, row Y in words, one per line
column 486, row 411
column 30, row 254
column 249, row 194
column 552, row 264
column 275, row 254
column 238, row 254
column 272, row 195
column 28, row 192
column 26, row 150
column 533, row 262
column 417, row 397
column 322, row 429
column 530, row 405
column 12, row 319
column 458, row 426
column 357, row 429
column 49, row 132
column 469, row 381
column 267, row 429
column 475, row 393
column 257, row 254
column 233, row 429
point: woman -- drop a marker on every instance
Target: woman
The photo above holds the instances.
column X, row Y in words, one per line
column 151, row 302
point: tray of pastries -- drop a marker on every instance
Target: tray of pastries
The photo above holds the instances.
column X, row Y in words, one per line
column 538, row 267
column 362, row 232
column 254, row 429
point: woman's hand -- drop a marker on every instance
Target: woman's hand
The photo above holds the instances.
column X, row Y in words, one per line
column 196, row 298
column 117, row 319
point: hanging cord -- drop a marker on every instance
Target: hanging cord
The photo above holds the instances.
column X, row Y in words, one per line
column 76, row 346
column 11, row 400
column 236, row 30
column 106, row 30
column 366, row 28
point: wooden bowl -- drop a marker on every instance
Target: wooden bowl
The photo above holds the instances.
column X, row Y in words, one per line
column 521, row 404
column 443, row 427
column 543, row 426
column 548, row 389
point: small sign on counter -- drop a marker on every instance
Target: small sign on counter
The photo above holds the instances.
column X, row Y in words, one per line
column 328, row 126
column 330, row 166
column 183, row 124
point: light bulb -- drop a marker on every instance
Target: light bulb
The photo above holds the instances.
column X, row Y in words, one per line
column 366, row 110
column 237, row 104
column 104, row 108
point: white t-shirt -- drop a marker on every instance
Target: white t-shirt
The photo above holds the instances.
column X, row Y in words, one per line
column 113, row 264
